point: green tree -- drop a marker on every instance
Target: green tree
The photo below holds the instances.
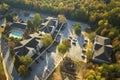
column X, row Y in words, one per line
column 114, row 16
column 9, row 18
column 89, row 55
column 61, row 19
column 5, row 6
column 26, row 60
column 62, row 48
column 92, row 18
column 77, row 28
column 104, row 70
column 67, row 43
column 107, row 1
column 91, row 36
column 23, row 70
column 101, row 22
column 37, row 21
column 117, row 57
column 91, row 75
column 29, row 25
column 47, row 40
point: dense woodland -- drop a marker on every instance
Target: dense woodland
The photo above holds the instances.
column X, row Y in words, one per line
column 102, row 15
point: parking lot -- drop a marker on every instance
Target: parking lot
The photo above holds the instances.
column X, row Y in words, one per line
column 76, row 50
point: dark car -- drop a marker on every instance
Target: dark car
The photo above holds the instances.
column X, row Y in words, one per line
column 83, row 57
column 36, row 61
column 74, row 43
column 70, row 38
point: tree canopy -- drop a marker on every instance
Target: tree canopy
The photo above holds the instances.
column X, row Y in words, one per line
column 37, row 20
column 67, row 43
column 114, row 16
column 47, row 40
column 62, row 48
column 23, row 70
column 29, row 24
column 26, row 60
column 77, row 28
column 61, row 19
column 9, row 18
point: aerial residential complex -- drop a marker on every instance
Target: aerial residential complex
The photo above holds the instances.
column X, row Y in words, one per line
column 59, row 40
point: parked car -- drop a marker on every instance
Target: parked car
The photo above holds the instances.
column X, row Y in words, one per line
column 30, row 68
column 70, row 38
column 74, row 43
column 83, row 51
column 83, row 56
column 36, row 61
column 86, row 40
column 74, row 39
column 63, row 27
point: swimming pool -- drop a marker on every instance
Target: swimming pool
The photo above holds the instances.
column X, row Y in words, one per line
column 17, row 33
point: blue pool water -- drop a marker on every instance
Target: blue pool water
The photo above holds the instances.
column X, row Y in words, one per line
column 17, row 33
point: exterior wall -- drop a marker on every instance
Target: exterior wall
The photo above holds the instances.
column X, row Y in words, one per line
column 100, row 61
column 31, row 52
column 56, row 23
column 53, row 29
column 40, row 45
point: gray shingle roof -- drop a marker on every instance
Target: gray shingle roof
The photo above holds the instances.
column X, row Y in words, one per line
column 24, row 46
column 19, row 25
column 21, row 51
column 102, row 49
column 48, row 25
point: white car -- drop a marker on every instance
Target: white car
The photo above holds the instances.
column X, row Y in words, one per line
column 86, row 40
column 74, row 40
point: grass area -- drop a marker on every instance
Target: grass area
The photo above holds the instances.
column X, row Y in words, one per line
column 2, row 74
column 56, row 75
